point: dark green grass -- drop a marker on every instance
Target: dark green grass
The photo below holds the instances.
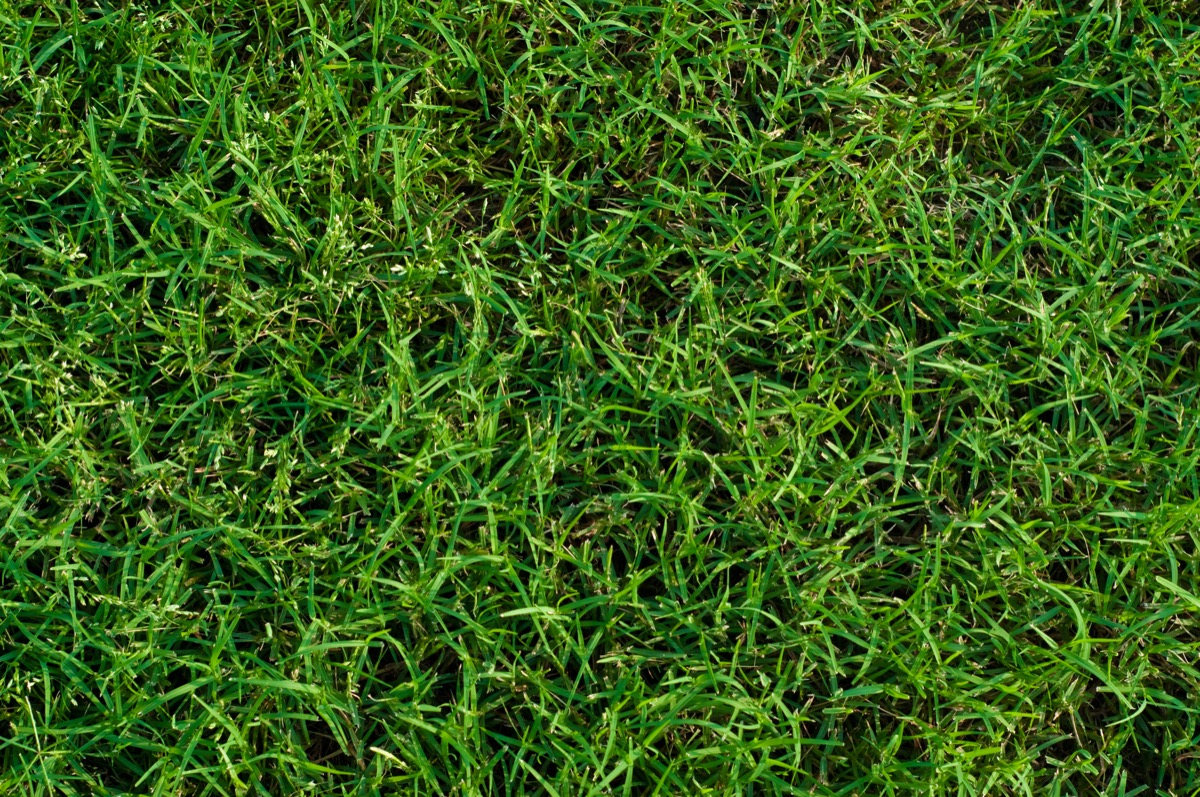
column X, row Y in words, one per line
column 581, row 398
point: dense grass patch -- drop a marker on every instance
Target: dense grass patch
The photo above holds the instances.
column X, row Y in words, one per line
column 586, row 398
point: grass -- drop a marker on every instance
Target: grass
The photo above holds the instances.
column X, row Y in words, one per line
column 583, row 398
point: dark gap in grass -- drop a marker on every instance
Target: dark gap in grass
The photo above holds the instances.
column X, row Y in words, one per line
column 495, row 720
column 470, row 209
column 260, row 229
column 840, row 438
column 1061, row 569
column 855, row 725
column 898, row 582
column 548, row 767
column 1066, row 212
column 591, row 665
column 654, row 303
column 61, row 300
column 934, row 324
column 1142, row 764
column 849, row 655
column 741, row 365
column 385, row 665
column 463, row 99
column 615, row 562
column 745, row 194
column 104, row 770
column 1024, row 398
column 37, row 562
column 755, row 117
column 208, row 559
column 316, row 504
column 718, row 497
column 736, row 575
column 580, row 171
column 1156, row 729
column 1102, row 118
column 442, row 671
column 911, row 750
column 435, row 333
column 179, row 675
column 975, row 26
column 651, row 588
column 909, row 527
column 55, row 487
column 443, row 691
column 652, row 674
column 323, row 747
column 508, row 735
column 10, row 100
column 223, row 182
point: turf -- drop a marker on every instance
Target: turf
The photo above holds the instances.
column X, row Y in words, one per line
column 584, row 398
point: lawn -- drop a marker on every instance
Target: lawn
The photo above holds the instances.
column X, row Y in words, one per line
column 407, row 397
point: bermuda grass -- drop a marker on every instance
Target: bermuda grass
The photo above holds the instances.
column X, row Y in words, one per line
column 578, row 398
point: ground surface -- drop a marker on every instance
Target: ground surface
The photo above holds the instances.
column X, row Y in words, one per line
column 587, row 398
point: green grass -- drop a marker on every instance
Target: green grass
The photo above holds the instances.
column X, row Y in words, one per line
column 582, row 398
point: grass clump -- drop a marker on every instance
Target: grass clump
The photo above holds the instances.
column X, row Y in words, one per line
column 585, row 398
